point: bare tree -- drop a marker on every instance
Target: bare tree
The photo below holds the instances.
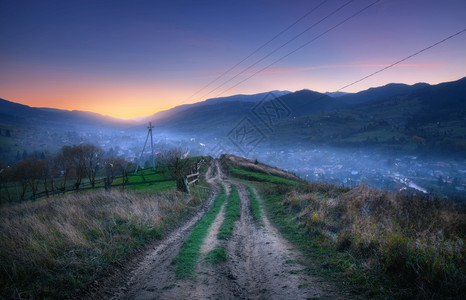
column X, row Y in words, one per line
column 92, row 160
column 176, row 163
column 83, row 160
column 78, row 160
column 125, row 168
column 115, row 166
column 64, row 162
column 38, row 172
column 44, row 173
column 5, row 177
column 21, row 174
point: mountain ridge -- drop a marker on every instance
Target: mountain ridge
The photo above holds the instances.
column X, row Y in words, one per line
column 223, row 113
column 30, row 114
column 210, row 101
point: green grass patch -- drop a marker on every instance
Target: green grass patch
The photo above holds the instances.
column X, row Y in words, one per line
column 146, row 180
column 255, row 206
column 153, row 187
column 185, row 262
column 216, row 256
column 258, row 176
column 232, row 213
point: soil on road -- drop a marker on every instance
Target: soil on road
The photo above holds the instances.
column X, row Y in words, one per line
column 260, row 263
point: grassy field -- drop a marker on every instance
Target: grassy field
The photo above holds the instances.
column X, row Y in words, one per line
column 375, row 244
column 257, row 176
column 54, row 247
column 147, row 180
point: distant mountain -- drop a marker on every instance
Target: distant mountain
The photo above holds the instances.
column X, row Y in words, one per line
column 306, row 102
column 225, row 112
column 205, row 119
column 423, row 118
column 221, row 114
column 335, row 94
column 14, row 112
column 443, row 102
column 381, row 92
column 394, row 115
column 166, row 114
column 246, row 98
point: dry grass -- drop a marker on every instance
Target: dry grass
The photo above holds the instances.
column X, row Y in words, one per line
column 52, row 248
column 419, row 241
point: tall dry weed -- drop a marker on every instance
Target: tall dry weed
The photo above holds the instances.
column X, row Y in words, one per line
column 418, row 239
column 53, row 247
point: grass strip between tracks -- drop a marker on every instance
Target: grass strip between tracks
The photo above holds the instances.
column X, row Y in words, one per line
column 216, row 256
column 232, row 213
column 185, row 262
column 255, row 206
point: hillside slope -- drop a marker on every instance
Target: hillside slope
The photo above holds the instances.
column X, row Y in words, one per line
column 428, row 118
column 397, row 117
column 377, row 244
column 15, row 113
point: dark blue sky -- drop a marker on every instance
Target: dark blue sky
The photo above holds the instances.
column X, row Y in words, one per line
column 132, row 58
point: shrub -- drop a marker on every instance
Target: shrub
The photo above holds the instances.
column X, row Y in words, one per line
column 416, row 239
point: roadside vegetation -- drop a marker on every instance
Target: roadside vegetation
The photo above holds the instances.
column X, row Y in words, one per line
column 88, row 167
column 54, row 247
column 376, row 244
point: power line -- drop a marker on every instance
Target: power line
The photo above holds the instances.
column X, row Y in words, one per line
column 258, row 49
column 283, row 45
column 402, row 60
column 300, row 47
column 395, row 63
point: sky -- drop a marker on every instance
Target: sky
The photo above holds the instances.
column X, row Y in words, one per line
column 133, row 58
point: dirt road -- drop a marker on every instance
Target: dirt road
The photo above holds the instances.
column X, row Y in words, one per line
column 260, row 264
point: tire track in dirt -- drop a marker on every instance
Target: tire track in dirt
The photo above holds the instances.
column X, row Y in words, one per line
column 211, row 281
column 260, row 265
column 155, row 274
column 264, row 265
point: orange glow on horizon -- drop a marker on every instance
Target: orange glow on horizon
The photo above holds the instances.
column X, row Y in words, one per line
column 122, row 107
column 125, row 101
column 127, row 98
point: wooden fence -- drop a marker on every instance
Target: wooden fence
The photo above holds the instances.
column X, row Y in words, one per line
column 193, row 178
column 101, row 183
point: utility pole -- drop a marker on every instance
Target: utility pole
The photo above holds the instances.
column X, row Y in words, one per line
column 151, row 146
